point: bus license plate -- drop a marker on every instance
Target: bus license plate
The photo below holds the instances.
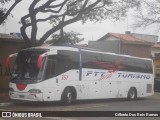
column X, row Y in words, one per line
column 21, row 96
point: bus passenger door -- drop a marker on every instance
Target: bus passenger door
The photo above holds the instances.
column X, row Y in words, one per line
column 91, row 80
column 95, row 89
column 49, row 84
column 109, row 89
column 82, row 90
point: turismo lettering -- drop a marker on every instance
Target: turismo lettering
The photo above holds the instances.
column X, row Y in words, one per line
column 136, row 76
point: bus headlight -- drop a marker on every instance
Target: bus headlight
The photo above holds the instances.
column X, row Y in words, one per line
column 11, row 89
column 35, row 91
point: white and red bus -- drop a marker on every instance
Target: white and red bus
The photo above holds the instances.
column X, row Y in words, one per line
column 64, row 73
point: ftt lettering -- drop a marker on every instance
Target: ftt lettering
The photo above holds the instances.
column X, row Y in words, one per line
column 95, row 73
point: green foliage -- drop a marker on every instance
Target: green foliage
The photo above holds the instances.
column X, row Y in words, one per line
column 2, row 10
column 68, row 37
column 4, row 13
column 61, row 13
column 4, row 1
column 64, row 12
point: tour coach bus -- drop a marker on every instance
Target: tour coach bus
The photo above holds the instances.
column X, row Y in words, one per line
column 65, row 73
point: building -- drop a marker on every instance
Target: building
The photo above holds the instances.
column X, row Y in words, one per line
column 156, row 60
column 155, row 49
column 9, row 44
column 126, row 44
column 149, row 38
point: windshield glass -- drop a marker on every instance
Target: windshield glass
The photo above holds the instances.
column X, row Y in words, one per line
column 26, row 66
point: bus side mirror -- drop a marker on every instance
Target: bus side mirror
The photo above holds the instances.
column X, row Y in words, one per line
column 8, row 59
column 39, row 62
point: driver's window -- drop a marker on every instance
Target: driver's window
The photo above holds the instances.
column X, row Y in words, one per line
column 50, row 69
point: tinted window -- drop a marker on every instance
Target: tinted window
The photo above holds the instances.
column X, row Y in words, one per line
column 90, row 60
column 61, row 63
column 50, row 68
column 137, row 65
column 113, row 62
column 67, row 60
column 129, row 64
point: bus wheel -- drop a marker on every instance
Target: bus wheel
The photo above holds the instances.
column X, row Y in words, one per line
column 67, row 96
column 132, row 94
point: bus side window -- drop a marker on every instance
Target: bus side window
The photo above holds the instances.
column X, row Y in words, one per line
column 50, row 69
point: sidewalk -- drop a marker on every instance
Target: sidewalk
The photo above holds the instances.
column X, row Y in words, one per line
column 4, row 97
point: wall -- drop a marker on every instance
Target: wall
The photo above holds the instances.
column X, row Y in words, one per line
column 149, row 38
column 137, row 50
column 109, row 46
column 154, row 51
column 7, row 48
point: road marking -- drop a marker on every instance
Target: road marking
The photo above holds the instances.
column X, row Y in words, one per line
column 9, row 103
column 5, row 104
column 4, row 110
column 80, row 108
column 64, row 108
column 59, row 118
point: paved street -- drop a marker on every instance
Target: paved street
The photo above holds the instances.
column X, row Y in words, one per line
column 146, row 104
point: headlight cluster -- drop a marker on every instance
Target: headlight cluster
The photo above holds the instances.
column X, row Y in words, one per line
column 11, row 90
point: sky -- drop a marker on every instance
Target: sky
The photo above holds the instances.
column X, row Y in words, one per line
column 90, row 31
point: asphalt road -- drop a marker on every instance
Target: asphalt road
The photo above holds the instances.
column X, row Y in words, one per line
column 151, row 103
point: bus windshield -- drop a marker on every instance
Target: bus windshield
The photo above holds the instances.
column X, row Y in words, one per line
column 26, row 67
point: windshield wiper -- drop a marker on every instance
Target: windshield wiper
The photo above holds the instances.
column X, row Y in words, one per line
column 29, row 80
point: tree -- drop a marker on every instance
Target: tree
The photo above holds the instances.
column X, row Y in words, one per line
column 148, row 14
column 64, row 12
column 4, row 13
column 68, row 37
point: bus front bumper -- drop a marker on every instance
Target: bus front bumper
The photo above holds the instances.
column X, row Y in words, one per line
column 26, row 96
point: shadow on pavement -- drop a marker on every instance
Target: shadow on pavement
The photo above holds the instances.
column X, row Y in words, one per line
column 81, row 102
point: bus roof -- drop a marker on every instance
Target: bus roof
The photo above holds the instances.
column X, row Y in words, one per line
column 75, row 48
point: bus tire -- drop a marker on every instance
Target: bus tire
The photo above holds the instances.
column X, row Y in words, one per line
column 67, row 96
column 132, row 94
